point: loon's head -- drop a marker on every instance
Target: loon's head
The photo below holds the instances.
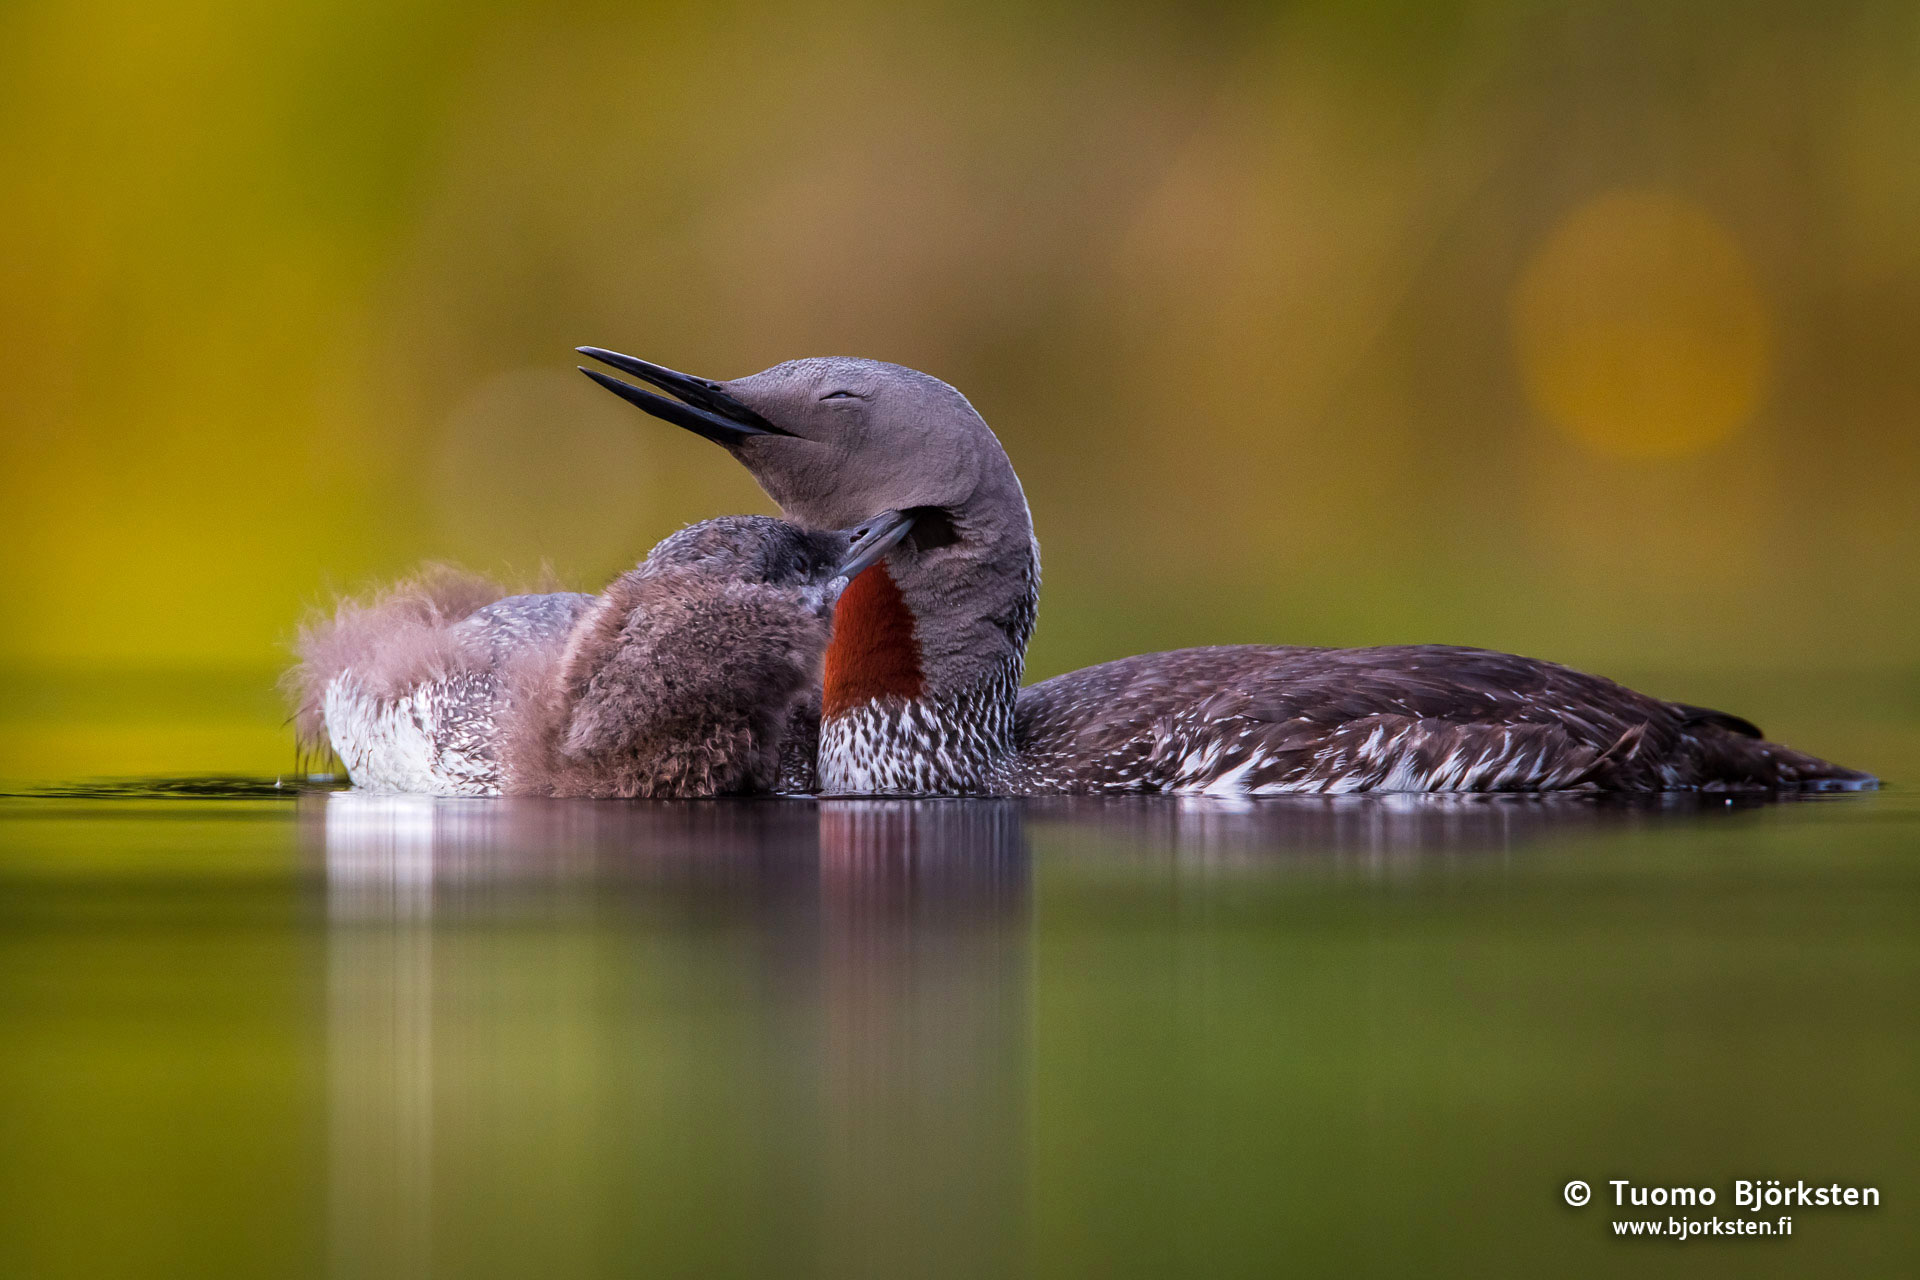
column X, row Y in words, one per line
column 834, row 439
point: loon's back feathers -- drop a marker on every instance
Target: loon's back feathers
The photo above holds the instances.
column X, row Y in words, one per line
column 1275, row 719
column 1719, row 719
column 508, row 628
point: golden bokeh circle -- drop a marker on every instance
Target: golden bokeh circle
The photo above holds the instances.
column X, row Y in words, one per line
column 1639, row 327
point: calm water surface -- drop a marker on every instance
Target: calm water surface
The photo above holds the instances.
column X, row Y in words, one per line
column 250, row 1032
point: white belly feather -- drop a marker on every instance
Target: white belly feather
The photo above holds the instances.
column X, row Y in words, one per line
column 436, row 739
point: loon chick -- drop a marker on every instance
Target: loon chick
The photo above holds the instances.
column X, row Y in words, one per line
column 688, row 676
column 922, row 688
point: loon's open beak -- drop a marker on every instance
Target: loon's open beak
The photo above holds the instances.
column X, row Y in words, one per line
column 872, row 540
column 703, row 407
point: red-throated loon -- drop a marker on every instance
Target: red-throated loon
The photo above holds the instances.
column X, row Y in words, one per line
column 922, row 688
column 692, row 675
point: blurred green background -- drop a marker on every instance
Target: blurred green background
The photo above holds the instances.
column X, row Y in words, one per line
column 1582, row 330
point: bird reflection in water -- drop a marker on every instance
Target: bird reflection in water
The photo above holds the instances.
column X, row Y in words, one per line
column 1377, row 834
column 776, row 1035
column 766, row 1035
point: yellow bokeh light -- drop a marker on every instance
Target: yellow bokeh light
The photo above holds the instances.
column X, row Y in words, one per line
column 1640, row 329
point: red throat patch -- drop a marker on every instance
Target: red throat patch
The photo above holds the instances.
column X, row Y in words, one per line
column 874, row 652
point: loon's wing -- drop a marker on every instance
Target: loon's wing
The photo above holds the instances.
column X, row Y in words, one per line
column 511, row 625
column 1254, row 720
column 436, row 737
column 421, row 707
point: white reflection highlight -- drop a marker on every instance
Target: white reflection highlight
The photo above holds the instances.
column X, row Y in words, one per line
column 380, row 1060
column 763, row 1037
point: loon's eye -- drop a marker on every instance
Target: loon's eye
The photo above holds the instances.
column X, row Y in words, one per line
column 840, row 395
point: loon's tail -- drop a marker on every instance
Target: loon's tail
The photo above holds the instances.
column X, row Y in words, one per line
column 1798, row 771
column 1733, row 755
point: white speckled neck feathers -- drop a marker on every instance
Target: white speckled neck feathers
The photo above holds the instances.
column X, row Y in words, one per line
column 893, row 723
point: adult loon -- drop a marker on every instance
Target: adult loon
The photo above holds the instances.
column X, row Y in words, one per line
column 692, row 675
column 922, row 691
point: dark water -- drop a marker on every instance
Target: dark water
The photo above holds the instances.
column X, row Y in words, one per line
column 247, row 1029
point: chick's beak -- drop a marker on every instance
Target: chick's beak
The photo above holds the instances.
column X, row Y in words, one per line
column 870, row 541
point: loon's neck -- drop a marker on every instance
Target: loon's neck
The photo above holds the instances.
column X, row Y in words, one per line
column 875, row 651
column 921, row 701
